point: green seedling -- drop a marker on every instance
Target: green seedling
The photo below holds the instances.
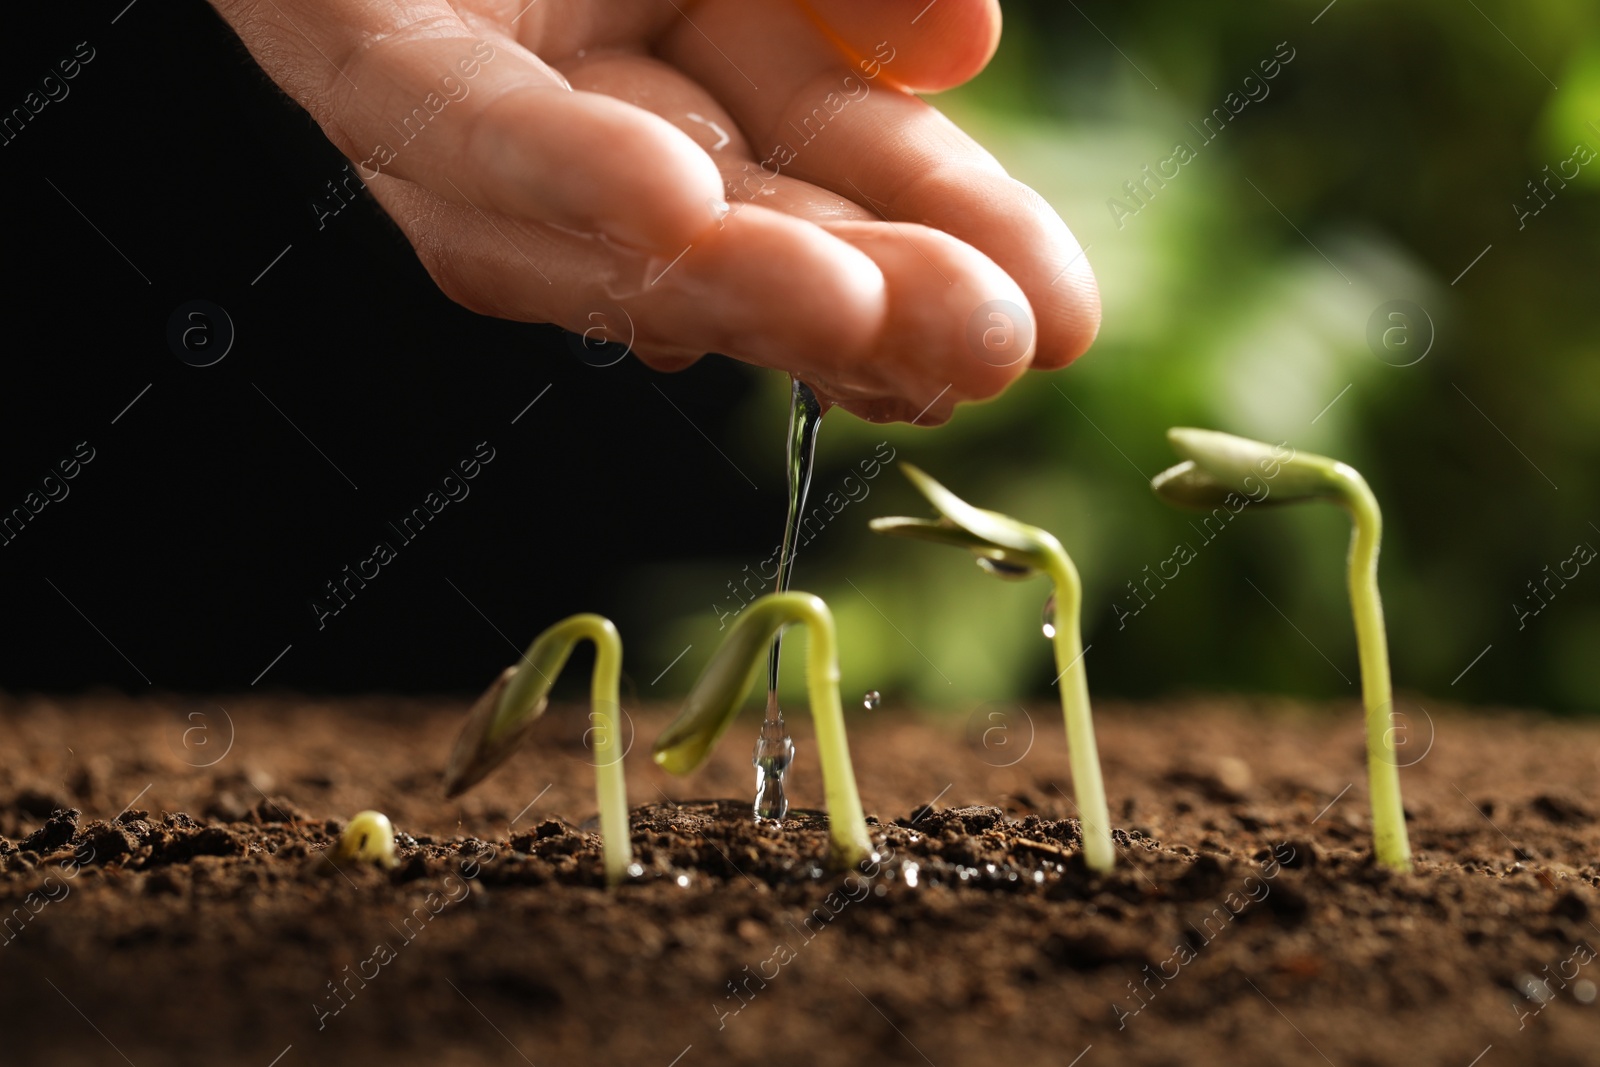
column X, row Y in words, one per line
column 369, row 838
column 722, row 687
column 1221, row 469
column 504, row 714
column 1010, row 549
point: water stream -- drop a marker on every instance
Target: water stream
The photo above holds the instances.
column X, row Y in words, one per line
column 774, row 750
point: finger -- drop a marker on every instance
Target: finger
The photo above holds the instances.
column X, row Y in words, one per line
column 932, row 46
column 955, row 323
column 763, row 61
column 843, row 129
column 416, row 94
column 764, row 287
column 880, row 321
column 1014, row 226
column 649, row 83
column 957, row 328
column 663, row 90
column 761, row 55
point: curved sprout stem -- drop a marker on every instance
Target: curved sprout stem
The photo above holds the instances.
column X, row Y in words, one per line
column 1390, row 842
column 520, row 696
column 726, row 681
column 1220, row 465
column 1083, row 754
column 605, row 710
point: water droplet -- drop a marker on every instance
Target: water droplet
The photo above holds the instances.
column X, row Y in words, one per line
column 683, row 880
column 872, row 700
column 1050, row 616
column 1001, row 569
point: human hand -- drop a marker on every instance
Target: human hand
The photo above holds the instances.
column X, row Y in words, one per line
column 573, row 161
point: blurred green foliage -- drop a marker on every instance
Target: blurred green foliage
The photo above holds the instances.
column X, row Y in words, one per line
column 1387, row 155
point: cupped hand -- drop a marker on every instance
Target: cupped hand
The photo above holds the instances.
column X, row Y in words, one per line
column 749, row 177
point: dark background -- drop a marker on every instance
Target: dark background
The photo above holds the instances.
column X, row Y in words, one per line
column 189, row 550
column 196, row 539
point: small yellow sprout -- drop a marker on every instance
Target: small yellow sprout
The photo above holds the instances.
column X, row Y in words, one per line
column 368, row 839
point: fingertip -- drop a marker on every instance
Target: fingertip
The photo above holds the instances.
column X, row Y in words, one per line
column 941, row 46
column 1002, row 334
column 1070, row 313
column 1020, row 231
column 666, row 361
column 955, row 321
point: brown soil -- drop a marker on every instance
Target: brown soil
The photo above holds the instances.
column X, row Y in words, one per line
column 1243, row 924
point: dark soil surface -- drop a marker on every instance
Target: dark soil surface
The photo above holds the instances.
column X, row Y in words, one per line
column 165, row 899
